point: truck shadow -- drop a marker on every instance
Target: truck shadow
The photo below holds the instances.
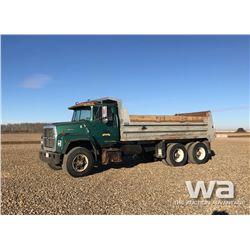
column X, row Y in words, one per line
column 128, row 162
column 217, row 212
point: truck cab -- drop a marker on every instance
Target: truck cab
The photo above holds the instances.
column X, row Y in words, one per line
column 94, row 126
column 100, row 121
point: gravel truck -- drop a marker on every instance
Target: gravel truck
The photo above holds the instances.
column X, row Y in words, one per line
column 102, row 132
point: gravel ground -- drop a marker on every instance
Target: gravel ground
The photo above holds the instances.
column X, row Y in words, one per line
column 30, row 187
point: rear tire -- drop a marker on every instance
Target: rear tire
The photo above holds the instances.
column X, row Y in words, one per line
column 198, row 153
column 187, row 146
column 176, row 155
column 78, row 162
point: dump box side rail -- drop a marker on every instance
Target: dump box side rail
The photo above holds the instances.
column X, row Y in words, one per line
column 195, row 125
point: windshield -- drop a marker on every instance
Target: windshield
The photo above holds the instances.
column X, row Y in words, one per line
column 81, row 114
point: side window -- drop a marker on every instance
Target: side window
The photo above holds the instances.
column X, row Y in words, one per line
column 98, row 116
column 109, row 114
column 98, row 113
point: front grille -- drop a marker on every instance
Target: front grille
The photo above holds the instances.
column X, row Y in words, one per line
column 49, row 137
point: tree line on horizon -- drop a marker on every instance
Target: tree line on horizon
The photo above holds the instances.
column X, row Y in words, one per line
column 22, row 127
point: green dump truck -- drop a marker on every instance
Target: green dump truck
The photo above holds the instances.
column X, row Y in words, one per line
column 102, row 132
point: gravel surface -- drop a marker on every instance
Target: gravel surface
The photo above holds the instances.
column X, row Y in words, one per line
column 29, row 186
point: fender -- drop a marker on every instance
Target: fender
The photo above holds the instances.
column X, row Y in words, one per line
column 81, row 140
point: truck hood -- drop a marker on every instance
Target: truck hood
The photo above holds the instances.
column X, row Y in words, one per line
column 71, row 127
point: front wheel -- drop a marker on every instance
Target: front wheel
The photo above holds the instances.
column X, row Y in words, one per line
column 78, row 162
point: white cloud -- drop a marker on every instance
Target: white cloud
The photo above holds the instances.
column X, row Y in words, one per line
column 36, row 81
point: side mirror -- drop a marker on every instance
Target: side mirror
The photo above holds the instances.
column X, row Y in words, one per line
column 104, row 114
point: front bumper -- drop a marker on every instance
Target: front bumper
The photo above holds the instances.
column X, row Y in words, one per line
column 50, row 157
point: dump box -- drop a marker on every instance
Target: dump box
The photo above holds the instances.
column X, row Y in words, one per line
column 166, row 127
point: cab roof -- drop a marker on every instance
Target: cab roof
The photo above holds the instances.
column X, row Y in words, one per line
column 105, row 100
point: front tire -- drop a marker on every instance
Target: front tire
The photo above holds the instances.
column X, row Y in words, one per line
column 78, row 162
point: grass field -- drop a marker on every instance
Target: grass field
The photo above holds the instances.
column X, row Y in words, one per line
column 29, row 186
column 21, row 137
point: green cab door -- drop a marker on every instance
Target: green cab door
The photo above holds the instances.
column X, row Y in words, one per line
column 105, row 125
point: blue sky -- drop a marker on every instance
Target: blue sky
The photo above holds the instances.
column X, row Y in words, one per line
column 43, row 75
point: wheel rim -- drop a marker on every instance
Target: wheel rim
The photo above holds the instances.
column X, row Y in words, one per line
column 200, row 153
column 179, row 155
column 80, row 163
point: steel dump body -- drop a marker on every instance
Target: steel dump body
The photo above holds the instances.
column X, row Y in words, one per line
column 180, row 126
